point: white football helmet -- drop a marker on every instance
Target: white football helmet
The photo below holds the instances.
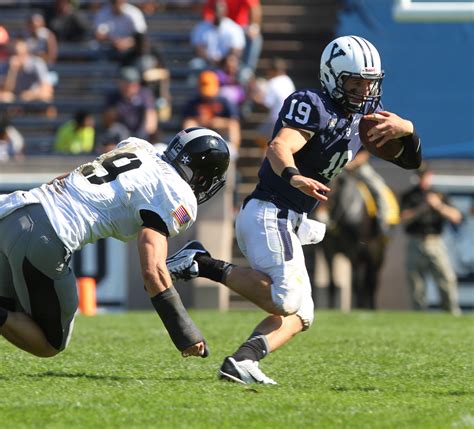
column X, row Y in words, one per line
column 351, row 56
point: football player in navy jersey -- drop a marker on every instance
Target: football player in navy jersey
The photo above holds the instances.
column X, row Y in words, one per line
column 315, row 136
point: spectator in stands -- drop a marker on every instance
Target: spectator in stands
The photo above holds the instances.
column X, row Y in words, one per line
column 158, row 80
column 77, row 135
column 115, row 134
column 424, row 213
column 248, row 14
column 27, row 77
column 121, row 28
column 271, row 93
column 210, row 110
column 228, row 73
column 11, row 141
column 68, row 23
column 214, row 40
column 40, row 39
column 4, row 39
column 132, row 105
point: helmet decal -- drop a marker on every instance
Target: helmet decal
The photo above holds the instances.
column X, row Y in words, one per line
column 185, row 159
column 333, row 55
column 364, row 54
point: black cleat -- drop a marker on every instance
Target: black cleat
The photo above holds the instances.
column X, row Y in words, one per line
column 244, row 372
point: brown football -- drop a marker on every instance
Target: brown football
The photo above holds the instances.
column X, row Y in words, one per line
column 388, row 151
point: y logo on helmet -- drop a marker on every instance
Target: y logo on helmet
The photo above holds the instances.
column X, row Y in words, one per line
column 333, row 55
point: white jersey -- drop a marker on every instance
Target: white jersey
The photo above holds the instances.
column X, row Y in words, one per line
column 103, row 198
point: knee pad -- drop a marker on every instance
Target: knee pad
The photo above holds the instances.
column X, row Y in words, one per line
column 289, row 301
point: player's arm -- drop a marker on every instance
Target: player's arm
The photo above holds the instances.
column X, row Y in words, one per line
column 280, row 154
column 153, row 248
column 391, row 126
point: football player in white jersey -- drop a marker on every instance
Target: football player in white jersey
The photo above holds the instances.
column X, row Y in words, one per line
column 315, row 136
column 129, row 192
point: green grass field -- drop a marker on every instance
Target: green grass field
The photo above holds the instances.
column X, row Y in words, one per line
column 358, row 370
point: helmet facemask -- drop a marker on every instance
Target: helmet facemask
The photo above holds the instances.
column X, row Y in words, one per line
column 205, row 189
column 358, row 103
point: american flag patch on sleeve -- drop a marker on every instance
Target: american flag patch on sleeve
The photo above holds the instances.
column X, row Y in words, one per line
column 181, row 215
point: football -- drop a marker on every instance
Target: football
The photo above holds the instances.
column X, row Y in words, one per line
column 388, row 151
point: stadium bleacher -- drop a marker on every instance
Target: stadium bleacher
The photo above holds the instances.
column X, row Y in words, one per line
column 289, row 32
column 83, row 77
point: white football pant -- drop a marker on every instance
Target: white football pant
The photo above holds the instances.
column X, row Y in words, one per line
column 266, row 236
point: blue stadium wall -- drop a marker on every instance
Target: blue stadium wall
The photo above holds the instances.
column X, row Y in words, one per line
column 429, row 70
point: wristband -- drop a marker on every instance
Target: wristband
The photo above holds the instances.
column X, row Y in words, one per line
column 289, row 172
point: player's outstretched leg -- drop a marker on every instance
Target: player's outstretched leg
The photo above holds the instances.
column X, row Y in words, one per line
column 193, row 260
column 182, row 265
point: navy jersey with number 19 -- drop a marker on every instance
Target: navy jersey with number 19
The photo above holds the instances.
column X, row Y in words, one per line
column 333, row 143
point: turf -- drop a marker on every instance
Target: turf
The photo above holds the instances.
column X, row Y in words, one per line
column 357, row 370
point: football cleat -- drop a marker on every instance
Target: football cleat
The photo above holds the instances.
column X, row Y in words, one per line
column 245, row 372
column 182, row 265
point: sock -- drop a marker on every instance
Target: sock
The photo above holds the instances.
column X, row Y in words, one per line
column 3, row 316
column 213, row 269
column 255, row 349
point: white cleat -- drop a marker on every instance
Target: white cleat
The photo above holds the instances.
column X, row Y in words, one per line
column 182, row 265
column 245, row 372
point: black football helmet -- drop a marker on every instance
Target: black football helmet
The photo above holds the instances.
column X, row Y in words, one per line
column 201, row 157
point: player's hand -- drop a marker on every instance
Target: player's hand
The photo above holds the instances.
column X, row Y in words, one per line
column 197, row 349
column 310, row 187
column 389, row 126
